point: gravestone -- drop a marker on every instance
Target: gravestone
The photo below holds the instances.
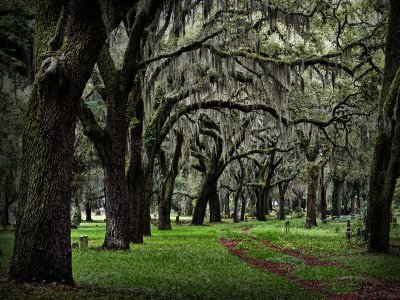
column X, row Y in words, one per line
column 287, row 226
column 12, row 219
column 83, row 241
column 348, row 230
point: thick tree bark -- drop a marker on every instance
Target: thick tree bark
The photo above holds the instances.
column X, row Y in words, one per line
column 208, row 188
column 261, row 204
column 117, row 208
column 167, row 190
column 213, row 203
column 42, row 248
column 110, row 143
column 382, row 177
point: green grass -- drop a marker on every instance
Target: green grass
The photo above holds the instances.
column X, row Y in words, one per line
column 190, row 262
column 6, row 245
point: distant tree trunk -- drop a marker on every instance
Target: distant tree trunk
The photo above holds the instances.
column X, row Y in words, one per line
column 385, row 164
column 208, row 188
column 167, row 190
column 226, row 205
column 146, row 196
column 88, row 210
column 261, row 204
column 189, row 207
column 312, row 196
column 269, row 205
column 42, row 247
column 353, row 204
column 337, row 196
column 239, row 180
column 243, row 211
column 78, row 194
column 358, row 201
column 135, row 172
column 3, row 210
column 282, row 191
column 322, row 193
column 303, row 203
column 346, row 199
column 236, row 208
column 213, row 202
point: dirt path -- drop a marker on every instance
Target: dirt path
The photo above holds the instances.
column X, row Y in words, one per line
column 370, row 289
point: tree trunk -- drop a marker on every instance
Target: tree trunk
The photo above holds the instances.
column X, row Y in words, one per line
column 147, row 194
column 213, row 202
column 322, row 193
column 281, row 215
column 353, row 204
column 167, row 190
column 135, row 172
column 311, row 197
column 42, row 247
column 358, row 201
column 236, row 209
column 261, row 204
column 117, row 207
column 201, row 202
column 243, row 211
column 269, row 205
column 78, row 207
column 381, row 178
column 226, row 205
column 3, row 210
column 88, row 210
column 337, row 196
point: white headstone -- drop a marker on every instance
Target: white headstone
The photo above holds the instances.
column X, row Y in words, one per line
column 11, row 218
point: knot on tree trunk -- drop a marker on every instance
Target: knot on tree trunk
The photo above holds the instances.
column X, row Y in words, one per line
column 53, row 66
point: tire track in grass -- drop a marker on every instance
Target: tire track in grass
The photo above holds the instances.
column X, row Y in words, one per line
column 370, row 289
column 281, row 269
column 309, row 260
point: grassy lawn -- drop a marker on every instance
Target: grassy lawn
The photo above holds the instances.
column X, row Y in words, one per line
column 190, row 262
